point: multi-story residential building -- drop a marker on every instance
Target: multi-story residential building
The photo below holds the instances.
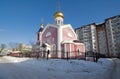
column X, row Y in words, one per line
column 113, row 34
column 103, row 38
column 87, row 35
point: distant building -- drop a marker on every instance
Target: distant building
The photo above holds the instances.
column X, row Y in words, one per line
column 15, row 53
column 59, row 39
column 23, row 47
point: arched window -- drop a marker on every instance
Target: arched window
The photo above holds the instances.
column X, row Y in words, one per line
column 58, row 22
column 54, row 48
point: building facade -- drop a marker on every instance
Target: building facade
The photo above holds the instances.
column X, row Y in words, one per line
column 113, row 34
column 103, row 38
column 59, row 40
column 87, row 35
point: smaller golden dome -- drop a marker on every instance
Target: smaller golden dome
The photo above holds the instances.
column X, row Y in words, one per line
column 58, row 14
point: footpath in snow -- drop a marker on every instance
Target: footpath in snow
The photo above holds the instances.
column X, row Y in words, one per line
column 71, row 69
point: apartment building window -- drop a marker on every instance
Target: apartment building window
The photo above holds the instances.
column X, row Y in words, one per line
column 115, row 49
column 118, row 27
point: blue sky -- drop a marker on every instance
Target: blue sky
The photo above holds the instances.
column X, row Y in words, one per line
column 20, row 19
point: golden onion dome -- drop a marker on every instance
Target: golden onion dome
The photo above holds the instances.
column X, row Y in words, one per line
column 58, row 14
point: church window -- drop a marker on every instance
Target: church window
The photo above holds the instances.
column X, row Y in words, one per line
column 58, row 21
column 48, row 34
column 54, row 48
column 69, row 34
column 78, row 51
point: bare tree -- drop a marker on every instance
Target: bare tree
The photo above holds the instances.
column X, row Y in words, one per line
column 13, row 46
column 2, row 47
column 33, row 51
column 32, row 43
column 20, row 47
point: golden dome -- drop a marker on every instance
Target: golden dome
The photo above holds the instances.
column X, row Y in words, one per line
column 58, row 14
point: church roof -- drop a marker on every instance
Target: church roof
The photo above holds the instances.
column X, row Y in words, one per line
column 58, row 14
column 41, row 27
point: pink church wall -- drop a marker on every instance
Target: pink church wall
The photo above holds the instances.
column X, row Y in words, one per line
column 52, row 38
column 75, row 49
column 81, row 53
column 67, row 36
column 71, row 50
column 82, row 47
column 62, row 51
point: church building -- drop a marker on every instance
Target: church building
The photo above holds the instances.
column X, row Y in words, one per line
column 59, row 39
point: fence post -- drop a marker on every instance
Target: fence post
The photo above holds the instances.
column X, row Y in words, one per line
column 67, row 55
column 48, row 54
column 85, row 55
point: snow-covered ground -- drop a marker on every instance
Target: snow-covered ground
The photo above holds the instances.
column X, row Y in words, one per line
column 71, row 69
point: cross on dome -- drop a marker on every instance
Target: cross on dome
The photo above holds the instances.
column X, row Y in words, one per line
column 58, row 13
column 58, row 16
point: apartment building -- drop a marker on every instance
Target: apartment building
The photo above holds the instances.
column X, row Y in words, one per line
column 113, row 34
column 103, row 38
column 87, row 35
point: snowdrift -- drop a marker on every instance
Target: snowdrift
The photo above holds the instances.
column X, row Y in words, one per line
column 77, row 68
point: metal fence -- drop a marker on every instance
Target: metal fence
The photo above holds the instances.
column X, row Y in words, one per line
column 54, row 54
column 94, row 56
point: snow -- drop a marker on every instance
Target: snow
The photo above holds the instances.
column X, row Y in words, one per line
column 108, row 66
column 105, row 61
column 116, row 71
column 15, row 59
column 73, row 69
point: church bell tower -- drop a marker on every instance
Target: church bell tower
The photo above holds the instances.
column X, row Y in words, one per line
column 59, row 17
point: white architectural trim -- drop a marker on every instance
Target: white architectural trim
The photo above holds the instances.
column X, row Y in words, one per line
column 50, row 25
column 59, row 21
column 47, row 44
column 78, row 43
column 59, row 41
column 68, row 41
